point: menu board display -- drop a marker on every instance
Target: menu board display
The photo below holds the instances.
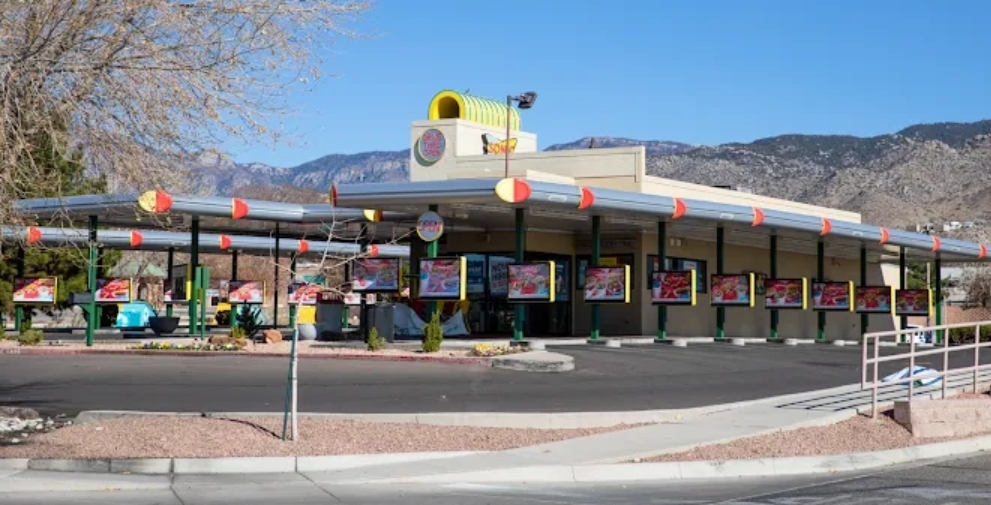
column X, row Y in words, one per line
column 875, row 299
column 913, row 302
column 832, row 296
column 35, row 291
column 302, row 293
column 607, row 284
column 673, row 288
column 532, row 282
column 113, row 290
column 443, row 278
column 246, row 292
column 375, row 275
column 786, row 293
column 499, row 275
column 732, row 290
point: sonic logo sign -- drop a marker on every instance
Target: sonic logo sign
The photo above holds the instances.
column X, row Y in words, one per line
column 492, row 145
column 429, row 226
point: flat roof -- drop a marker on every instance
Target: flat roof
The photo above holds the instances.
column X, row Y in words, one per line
column 555, row 206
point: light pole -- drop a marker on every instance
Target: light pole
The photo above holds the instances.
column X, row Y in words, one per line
column 526, row 101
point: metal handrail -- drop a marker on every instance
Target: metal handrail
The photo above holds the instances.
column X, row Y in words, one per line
column 912, row 353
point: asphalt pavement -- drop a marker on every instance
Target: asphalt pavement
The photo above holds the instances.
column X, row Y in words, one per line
column 628, row 378
column 954, row 482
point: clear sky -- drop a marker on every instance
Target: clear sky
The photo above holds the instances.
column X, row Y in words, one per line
column 695, row 71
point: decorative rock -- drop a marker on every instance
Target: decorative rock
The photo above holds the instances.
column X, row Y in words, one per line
column 220, row 340
column 307, row 332
column 19, row 413
column 272, row 336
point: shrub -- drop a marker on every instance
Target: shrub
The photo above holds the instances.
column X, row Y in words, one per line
column 30, row 337
column 959, row 336
column 223, row 317
column 375, row 343
column 246, row 321
column 237, row 332
column 433, row 334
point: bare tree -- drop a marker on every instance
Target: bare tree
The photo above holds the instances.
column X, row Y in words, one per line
column 135, row 89
column 977, row 282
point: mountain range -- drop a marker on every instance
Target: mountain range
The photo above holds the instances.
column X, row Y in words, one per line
column 923, row 173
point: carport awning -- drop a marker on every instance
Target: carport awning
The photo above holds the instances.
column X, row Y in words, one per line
column 586, row 201
column 152, row 240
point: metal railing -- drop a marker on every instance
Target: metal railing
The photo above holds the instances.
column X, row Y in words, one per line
column 943, row 349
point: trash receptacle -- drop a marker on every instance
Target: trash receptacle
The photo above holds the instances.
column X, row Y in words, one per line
column 382, row 318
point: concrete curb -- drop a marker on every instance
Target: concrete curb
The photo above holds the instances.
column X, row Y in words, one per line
column 41, row 351
column 217, row 466
column 683, row 470
column 535, row 361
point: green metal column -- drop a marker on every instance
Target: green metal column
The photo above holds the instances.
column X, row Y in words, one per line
column 203, row 276
column 275, row 289
column 101, row 273
column 194, row 262
column 902, row 282
column 720, row 260
column 864, row 318
column 773, row 273
column 168, row 280
column 596, row 258
column 233, row 278
column 662, row 253
column 519, row 310
column 820, row 276
column 938, row 273
column 92, row 322
column 433, row 249
column 292, row 279
column 19, row 310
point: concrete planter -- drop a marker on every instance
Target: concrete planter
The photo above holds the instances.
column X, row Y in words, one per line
column 944, row 418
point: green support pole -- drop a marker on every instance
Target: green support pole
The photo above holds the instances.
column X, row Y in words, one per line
column 433, row 249
column 864, row 318
column 292, row 279
column 773, row 273
column 92, row 321
column 19, row 310
column 820, row 276
column 100, row 273
column 194, row 261
column 720, row 261
column 204, row 279
column 902, row 281
column 168, row 280
column 662, row 310
column 233, row 278
column 519, row 310
column 275, row 289
column 596, row 258
column 938, row 273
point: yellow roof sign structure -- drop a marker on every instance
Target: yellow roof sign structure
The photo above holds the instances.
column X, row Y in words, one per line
column 453, row 105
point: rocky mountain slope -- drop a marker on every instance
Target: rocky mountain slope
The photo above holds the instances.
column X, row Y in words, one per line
column 933, row 172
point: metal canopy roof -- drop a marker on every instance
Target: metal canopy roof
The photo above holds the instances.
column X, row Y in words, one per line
column 152, row 240
column 552, row 206
column 158, row 209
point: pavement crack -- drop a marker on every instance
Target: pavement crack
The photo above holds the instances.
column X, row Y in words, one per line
column 321, row 488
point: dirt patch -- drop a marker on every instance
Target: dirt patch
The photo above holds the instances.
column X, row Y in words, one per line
column 200, row 437
column 860, row 434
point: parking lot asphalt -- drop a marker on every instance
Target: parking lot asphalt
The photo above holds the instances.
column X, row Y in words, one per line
column 628, row 378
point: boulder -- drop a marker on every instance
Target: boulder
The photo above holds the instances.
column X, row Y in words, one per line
column 220, row 340
column 19, row 413
column 272, row 336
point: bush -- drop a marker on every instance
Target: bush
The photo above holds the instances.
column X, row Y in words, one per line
column 223, row 318
column 959, row 336
column 237, row 333
column 246, row 321
column 375, row 343
column 433, row 334
column 30, row 337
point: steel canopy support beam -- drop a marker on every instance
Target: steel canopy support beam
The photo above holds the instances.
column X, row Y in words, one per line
column 92, row 319
column 720, row 265
column 275, row 289
column 596, row 258
column 864, row 318
column 821, row 276
column 902, row 283
column 662, row 310
column 773, row 273
column 170, row 262
column 938, row 273
column 194, row 263
column 519, row 310
column 19, row 309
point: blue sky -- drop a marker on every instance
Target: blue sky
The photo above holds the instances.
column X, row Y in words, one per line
column 696, row 71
